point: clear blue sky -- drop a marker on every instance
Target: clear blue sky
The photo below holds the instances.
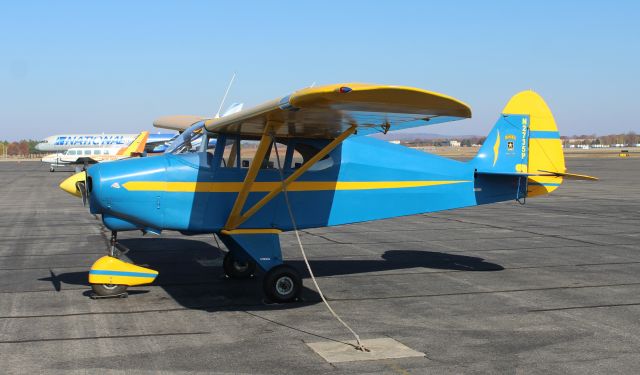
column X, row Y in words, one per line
column 113, row 66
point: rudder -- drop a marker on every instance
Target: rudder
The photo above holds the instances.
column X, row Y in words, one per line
column 544, row 144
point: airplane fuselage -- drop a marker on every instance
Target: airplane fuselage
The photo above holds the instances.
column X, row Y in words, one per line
column 363, row 179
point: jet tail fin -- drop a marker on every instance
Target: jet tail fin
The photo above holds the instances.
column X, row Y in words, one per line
column 137, row 146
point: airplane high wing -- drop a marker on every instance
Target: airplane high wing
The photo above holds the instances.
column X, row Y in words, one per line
column 327, row 111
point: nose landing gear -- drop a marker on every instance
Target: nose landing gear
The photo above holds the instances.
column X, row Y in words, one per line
column 110, row 276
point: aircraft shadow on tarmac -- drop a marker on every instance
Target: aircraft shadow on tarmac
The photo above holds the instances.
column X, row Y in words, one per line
column 191, row 272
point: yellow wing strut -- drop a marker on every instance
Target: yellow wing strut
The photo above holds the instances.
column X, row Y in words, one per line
column 234, row 221
column 250, row 178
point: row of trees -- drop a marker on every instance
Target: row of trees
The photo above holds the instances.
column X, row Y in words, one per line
column 19, row 148
column 439, row 142
column 629, row 139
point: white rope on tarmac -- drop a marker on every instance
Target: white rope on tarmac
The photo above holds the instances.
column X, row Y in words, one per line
column 359, row 345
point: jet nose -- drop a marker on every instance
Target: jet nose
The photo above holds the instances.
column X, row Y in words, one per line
column 70, row 185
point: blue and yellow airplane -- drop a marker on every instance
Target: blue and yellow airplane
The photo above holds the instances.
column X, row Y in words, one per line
column 312, row 167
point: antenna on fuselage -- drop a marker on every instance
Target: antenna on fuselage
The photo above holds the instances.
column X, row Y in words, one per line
column 225, row 95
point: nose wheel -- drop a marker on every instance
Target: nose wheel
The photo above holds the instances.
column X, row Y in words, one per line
column 109, row 290
column 110, row 276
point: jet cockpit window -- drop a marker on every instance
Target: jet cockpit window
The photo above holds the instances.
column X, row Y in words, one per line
column 188, row 141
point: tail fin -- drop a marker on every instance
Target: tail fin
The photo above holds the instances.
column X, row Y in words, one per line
column 137, row 146
column 525, row 142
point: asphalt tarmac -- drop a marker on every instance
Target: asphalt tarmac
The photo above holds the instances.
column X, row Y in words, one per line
column 549, row 287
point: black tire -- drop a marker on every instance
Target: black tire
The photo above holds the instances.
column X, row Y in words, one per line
column 107, row 290
column 238, row 270
column 52, row 169
column 282, row 284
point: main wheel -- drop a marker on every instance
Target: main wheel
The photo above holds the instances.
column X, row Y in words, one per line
column 52, row 169
column 237, row 269
column 107, row 290
column 282, row 284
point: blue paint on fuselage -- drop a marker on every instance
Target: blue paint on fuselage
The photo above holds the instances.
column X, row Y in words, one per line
column 356, row 159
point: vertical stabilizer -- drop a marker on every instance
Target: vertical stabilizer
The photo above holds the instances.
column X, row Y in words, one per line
column 137, row 146
column 525, row 142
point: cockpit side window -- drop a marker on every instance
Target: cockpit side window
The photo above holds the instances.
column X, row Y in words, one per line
column 231, row 154
column 271, row 160
column 237, row 152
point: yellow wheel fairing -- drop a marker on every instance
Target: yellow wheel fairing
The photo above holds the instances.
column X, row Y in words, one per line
column 110, row 270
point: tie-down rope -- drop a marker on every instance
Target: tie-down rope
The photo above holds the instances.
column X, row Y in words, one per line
column 359, row 345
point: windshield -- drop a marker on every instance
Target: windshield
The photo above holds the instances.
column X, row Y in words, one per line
column 188, row 141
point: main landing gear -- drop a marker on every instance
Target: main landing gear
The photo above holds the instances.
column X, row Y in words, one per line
column 281, row 282
column 110, row 277
column 238, row 269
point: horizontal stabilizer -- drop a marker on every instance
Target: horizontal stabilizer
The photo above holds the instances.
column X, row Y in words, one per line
column 572, row 176
column 516, row 174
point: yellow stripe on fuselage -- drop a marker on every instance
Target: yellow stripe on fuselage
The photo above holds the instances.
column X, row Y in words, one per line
column 234, row 187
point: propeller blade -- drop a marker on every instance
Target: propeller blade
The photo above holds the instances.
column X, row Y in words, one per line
column 83, row 192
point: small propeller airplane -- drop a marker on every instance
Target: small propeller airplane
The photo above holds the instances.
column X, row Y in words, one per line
column 325, row 173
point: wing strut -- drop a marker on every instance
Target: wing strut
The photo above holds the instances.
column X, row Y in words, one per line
column 235, row 219
column 250, row 178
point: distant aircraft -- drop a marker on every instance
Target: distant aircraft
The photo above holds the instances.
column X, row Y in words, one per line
column 85, row 155
column 312, row 168
column 63, row 142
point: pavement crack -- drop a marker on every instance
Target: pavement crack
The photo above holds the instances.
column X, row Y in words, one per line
column 104, row 337
column 586, row 307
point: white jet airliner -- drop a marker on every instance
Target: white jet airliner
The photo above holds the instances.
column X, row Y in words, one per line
column 64, row 142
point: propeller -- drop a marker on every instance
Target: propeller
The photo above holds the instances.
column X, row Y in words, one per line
column 82, row 188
